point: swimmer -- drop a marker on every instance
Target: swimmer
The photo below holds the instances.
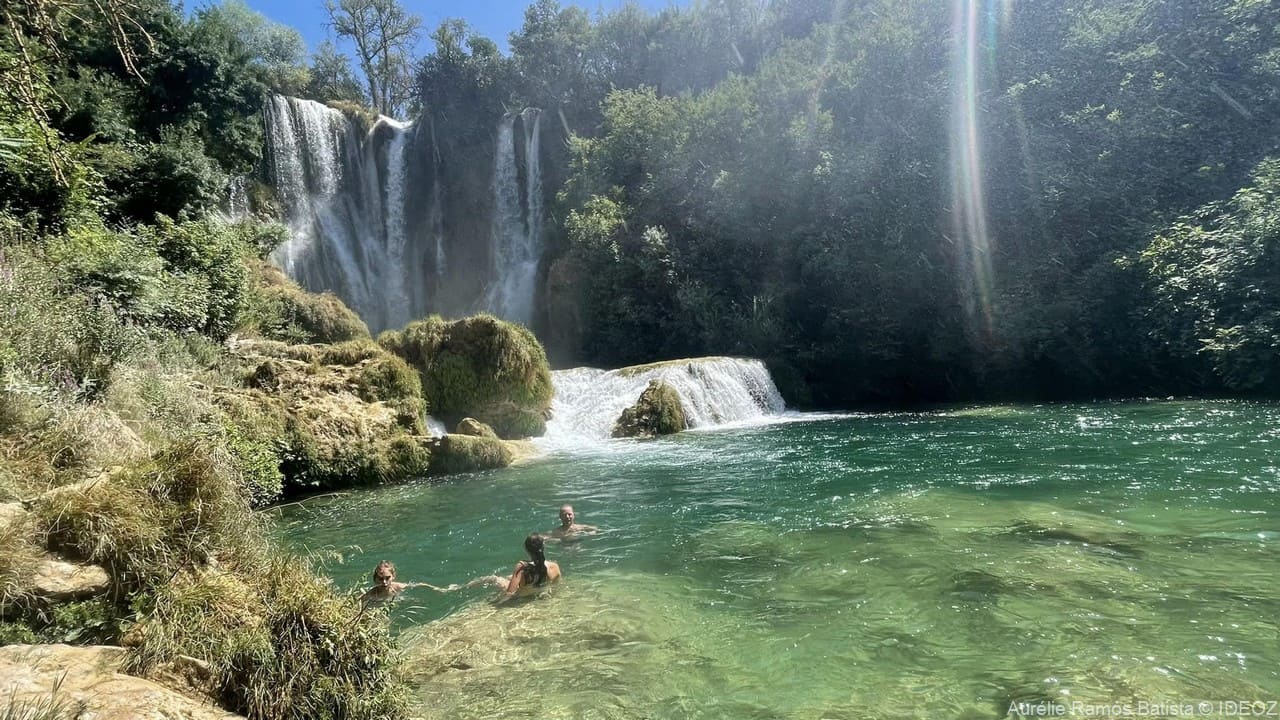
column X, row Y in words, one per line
column 385, row 588
column 528, row 577
column 568, row 528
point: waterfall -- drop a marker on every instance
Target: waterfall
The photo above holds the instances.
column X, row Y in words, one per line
column 713, row 391
column 396, row 301
column 516, row 243
column 399, row 229
column 320, row 174
column 236, row 207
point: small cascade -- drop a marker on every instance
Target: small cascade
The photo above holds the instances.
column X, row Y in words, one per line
column 714, row 391
column 237, row 206
column 517, row 221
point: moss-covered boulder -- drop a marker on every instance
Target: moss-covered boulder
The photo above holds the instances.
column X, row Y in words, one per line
column 480, row 367
column 337, row 415
column 657, row 412
column 467, row 453
column 280, row 310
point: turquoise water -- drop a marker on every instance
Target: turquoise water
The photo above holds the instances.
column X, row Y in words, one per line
column 905, row 565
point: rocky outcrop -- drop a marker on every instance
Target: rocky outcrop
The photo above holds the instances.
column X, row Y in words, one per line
column 59, row 581
column 475, row 428
column 338, row 415
column 87, row 682
column 466, row 453
column 657, row 412
column 479, row 367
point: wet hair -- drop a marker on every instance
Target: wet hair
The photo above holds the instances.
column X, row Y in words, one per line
column 384, row 569
column 535, row 573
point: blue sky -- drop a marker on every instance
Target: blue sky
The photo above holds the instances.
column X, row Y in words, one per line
column 492, row 18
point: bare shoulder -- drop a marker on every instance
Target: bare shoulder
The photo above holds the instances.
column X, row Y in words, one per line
column 553, row 570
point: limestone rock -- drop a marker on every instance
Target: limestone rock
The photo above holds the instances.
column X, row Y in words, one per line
column 475, row 428
column 465, row 453
column 657, row 412
column 91, row 685
column 60, row 581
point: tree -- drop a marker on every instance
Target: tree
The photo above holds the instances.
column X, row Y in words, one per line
column 331, row 76
column 384, row 35
column 277, row 50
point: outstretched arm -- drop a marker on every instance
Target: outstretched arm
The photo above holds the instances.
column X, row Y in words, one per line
column 433, row 587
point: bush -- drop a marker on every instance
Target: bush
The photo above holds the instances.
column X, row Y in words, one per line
column 149, row 520
column 479, row 367
column 65, row 342
column 283, row 647
column 280, row 310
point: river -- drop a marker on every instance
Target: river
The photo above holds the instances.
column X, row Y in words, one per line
column 943, row 564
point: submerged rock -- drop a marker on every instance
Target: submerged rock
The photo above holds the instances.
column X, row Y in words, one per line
column 657, row 412
column 88, row 682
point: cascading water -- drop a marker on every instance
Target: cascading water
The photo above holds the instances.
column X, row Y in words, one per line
column 321, row 178
column 517, row 226
column 374, row 216
column 396, row 301
column 713, row 391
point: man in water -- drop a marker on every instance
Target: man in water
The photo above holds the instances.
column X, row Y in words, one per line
column 568, row 528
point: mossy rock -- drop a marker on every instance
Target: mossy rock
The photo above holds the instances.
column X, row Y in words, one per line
column 479, row 367
column 657, row 412
column 475, row 428
column 466, row 453
column 280, row 310
column 335, row 415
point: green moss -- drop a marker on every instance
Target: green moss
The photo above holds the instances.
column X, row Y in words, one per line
column 364, row 117
column 479, row 367
column 337, row 452
column 280, row 310
column 466, row 453
column 657, row 412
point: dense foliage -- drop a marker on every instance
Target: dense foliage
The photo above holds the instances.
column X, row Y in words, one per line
column 890, row 201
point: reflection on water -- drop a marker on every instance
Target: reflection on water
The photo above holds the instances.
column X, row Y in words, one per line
column 921, row 565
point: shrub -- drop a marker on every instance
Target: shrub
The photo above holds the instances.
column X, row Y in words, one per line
column 280, row 310
column 283, row 646
column 63, row 342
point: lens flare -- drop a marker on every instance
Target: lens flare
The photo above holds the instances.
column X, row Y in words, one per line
column 975, row 26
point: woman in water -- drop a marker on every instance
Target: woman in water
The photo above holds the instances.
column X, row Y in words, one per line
column 385, row 588
column 529, row 576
